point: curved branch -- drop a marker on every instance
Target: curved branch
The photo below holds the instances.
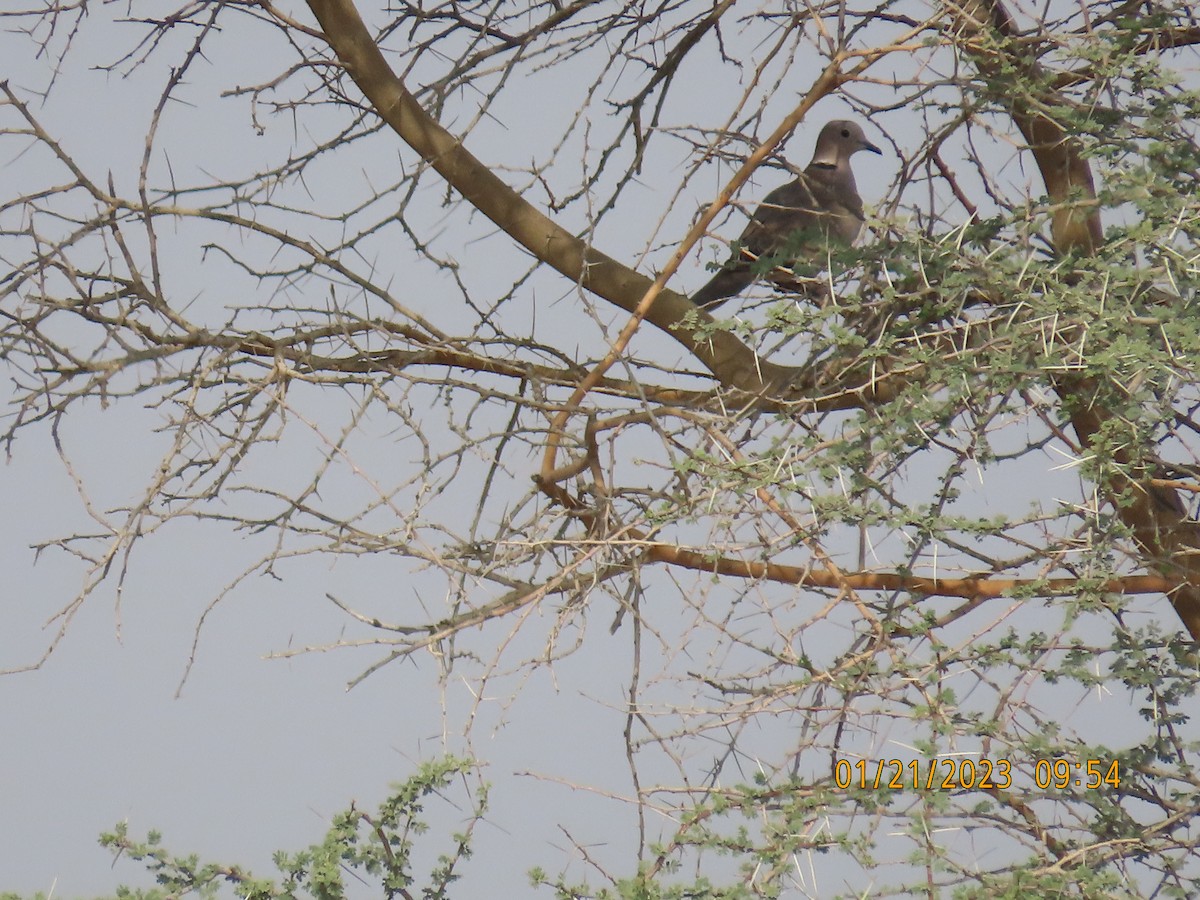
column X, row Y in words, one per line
column 1152, row 511
column 724, row 355
column 574, row 579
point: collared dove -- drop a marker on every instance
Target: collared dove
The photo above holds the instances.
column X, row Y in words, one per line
column 820, row 206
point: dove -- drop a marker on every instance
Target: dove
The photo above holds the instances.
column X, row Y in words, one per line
column 818, row 210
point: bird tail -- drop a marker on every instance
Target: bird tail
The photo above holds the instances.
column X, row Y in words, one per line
column 721, row 287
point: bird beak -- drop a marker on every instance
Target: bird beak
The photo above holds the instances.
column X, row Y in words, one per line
column 867, row 145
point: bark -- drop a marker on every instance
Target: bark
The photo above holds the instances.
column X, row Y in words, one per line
column 1155, row 514
column 724, row 355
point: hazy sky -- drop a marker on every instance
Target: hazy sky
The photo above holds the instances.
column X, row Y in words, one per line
column 256, row 754
column 253, row 755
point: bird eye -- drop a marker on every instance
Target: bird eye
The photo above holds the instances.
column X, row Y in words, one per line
column 845, row 132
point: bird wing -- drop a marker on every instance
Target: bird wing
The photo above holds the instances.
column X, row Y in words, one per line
column 835, row 194
column 797, row 221
column 783, row 212
column 820, row 203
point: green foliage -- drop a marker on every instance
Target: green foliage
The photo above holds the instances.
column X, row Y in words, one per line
column 373, row 848
column 930, row 429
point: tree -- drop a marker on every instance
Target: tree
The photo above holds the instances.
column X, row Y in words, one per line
column 917, row 511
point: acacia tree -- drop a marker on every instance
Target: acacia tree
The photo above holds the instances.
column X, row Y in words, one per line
column 915, row 511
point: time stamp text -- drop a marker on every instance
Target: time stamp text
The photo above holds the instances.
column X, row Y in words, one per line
column 972, row 774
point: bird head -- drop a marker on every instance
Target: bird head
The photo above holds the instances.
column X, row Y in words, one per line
column 838, row 141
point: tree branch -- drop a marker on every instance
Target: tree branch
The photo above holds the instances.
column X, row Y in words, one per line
column 729, row 359
column 1153, row 512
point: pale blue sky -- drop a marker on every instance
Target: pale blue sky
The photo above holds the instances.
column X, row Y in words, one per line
column 255, row 755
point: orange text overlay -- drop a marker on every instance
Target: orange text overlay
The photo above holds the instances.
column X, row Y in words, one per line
column 971, row 774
